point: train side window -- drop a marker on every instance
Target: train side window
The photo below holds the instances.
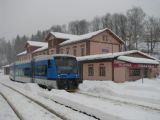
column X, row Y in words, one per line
column 49, row 64
column 41, row 70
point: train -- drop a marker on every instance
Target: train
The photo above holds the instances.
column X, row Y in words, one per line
column 57, row 71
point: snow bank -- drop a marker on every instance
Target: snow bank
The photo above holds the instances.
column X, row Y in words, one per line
column 146, row 94
column 103, row 108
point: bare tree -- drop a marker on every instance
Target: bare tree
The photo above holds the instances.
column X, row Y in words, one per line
column 107, row 21
column 96, row 24
column 84, row 27
column 115, row 22
column 58, row 28
column 123, row 27
column 152, row 35
column 3, row 52
column 78, row 27
column 136, row 18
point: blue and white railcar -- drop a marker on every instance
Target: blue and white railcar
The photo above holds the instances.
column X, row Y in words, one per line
column 12, row 72
column 56, row 71
column 21, row 71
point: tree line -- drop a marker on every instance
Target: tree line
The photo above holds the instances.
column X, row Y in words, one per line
column 134, row 27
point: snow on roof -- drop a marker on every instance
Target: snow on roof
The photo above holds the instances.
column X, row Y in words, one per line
column 110, row 55
column 37, row 44
column 22, row 53
column 86, row 36
column 41, row 49
column 6, row 66
column 82, row 37
column 137, row 60
column 63, row 35
column 104, row 56
column 147, row 55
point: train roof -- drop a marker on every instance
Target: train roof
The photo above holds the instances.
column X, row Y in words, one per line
column 44, row 57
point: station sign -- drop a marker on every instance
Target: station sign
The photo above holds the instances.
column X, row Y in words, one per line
column 133, row 65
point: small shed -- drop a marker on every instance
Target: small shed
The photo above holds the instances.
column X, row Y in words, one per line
column 6, row 69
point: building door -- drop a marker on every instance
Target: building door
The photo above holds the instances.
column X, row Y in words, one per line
column 145, row 72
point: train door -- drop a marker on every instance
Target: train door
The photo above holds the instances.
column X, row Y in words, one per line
column 33, row 70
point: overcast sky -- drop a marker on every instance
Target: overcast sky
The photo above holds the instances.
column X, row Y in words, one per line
column 27, row 16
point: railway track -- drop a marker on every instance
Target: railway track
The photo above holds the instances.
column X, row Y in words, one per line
column 15, row 114
column 100, row 111
column 74, row 109
column 116, row 102
column 51, row 110
column 42, row 107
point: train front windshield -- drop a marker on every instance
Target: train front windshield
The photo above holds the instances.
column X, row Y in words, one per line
column 66, row 65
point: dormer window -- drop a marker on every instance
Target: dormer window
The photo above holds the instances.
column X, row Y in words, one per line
column 107, row 38
column 104, row 37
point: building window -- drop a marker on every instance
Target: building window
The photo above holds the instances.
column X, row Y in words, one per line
column 90, row 70
column 146, row 72
column 52, row 52
column 82, row 51
column 103, row 38
column 134, row 72
column 74, row 51
column 109, row 39
column 102, row 70
column 61, row 51
column 67, row 50
column 105, row 50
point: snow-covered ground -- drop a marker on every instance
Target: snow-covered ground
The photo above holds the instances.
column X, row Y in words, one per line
column 143, row 93
column 6, row 113
column 32, row 90
column 102, row 99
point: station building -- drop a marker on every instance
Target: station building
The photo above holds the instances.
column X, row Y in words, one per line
column 6, row 69
column 99, row 53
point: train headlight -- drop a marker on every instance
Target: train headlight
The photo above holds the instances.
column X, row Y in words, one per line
column 76, row 76
column 58, row 76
